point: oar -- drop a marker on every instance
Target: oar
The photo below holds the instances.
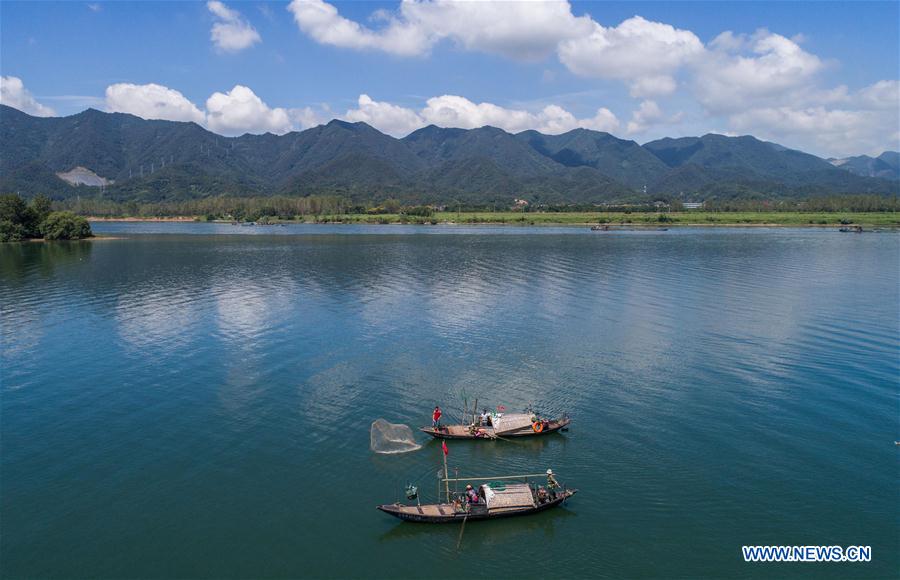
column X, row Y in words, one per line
column 461, row 530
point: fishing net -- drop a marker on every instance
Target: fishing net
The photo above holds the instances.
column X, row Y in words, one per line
column 391, row 438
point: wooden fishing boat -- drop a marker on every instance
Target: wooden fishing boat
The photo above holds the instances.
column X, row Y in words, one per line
column 524, row 425
column 497, row 499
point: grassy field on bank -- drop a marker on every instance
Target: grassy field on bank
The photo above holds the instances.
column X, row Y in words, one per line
column 882, row 219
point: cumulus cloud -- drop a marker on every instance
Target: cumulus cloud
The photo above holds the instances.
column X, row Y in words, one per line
column 230, row 32
column 14, row 94
column 642, row 53
column 306, row 117
column 460, row 112
column 391, row 119
column 321, row 21
column 766, row 84
column 233, row 113
column 881, row 95
column 240, row 111
column 152, row 101
column 837, row 132
column 740, row 71
column 524, row 30
column 867, row 122
column 455, row 111
column 518, row 29
column 646, row 114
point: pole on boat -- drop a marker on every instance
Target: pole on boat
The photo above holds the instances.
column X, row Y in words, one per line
column 475, row 410
column 446, row 473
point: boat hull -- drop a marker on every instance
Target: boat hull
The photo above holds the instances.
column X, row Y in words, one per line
column 445, row 514
column 462, row 431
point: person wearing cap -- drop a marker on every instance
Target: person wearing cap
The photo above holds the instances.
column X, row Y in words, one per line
column 551, row 482
column 471, row 494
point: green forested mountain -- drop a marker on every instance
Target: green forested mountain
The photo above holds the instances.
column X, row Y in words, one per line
column 624, row 161
column 164, row 160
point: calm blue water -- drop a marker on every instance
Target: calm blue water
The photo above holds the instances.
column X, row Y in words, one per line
column 178, row 402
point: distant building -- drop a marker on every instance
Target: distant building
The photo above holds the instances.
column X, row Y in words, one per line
column 692, row 205
column 519, row 203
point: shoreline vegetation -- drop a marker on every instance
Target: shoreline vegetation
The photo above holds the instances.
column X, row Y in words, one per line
column 694, row 218
column 20, row 221
column 70, row 218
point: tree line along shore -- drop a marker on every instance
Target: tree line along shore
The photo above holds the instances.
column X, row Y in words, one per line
column 863, row 210
column 614, row 219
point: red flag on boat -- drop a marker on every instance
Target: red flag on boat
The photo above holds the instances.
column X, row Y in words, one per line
column 444, row 447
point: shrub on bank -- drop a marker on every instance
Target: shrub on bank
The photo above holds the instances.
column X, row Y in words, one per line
column 20, row 221
column 65, row 225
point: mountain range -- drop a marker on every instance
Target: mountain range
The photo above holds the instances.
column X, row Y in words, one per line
column 130, row 158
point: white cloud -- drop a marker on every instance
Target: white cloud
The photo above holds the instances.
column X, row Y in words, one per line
column 391, row 119
column 646, row 114
column 743, row 71
column 240, row 111
column 152, row 101
column 321, row 21
column 460, row 112
column 524, row 30
column 881, row 95
column 231, row 33
column 306, row 117
column 95, row 7
column 233, row 113
column 644, row 54
column 829, row 132
column 14, row 94
column 868, row 123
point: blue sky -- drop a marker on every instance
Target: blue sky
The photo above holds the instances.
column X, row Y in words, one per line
column 819, row 76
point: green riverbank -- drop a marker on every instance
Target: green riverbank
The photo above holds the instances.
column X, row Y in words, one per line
column 691, row 218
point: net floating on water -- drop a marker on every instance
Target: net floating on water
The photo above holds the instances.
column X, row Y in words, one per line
column 391, row 438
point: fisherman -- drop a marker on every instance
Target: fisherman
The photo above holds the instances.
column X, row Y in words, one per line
column 471, row 495
column 436, row 417
column 485, row 417
column 552, row 483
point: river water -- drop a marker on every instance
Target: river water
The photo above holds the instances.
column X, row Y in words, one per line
column 194, row 400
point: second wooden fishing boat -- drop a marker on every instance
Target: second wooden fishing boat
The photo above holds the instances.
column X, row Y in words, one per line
column 495, row 499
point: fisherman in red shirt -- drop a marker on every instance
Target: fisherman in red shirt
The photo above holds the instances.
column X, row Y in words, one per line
column 436, row 417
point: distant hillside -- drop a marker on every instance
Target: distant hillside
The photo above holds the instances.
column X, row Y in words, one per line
column 746, row 166
column 885, row 166
column 145, row 160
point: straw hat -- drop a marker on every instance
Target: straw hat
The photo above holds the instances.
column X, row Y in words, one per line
column 549, row 472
